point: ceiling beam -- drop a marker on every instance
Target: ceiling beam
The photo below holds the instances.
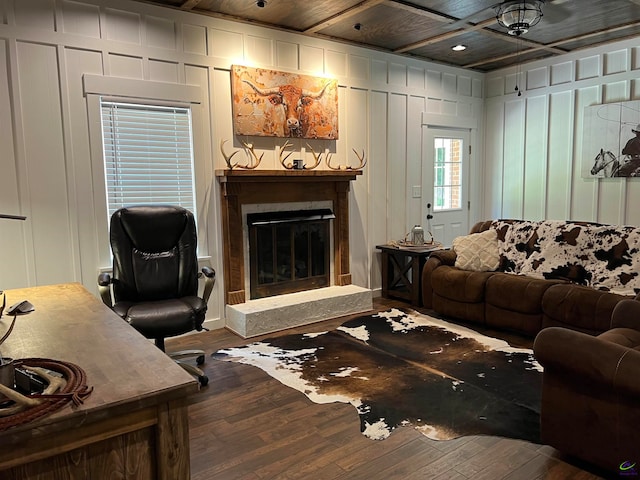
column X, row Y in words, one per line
column 497, row 59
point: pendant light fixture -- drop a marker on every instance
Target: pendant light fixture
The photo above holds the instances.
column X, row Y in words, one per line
column 518, row 17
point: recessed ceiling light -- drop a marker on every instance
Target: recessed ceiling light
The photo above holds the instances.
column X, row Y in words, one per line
column 459, row 48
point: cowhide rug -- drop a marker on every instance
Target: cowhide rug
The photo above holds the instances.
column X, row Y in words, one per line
column 403, row 368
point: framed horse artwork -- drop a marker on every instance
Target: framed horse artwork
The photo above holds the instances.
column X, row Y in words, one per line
column 611, row 140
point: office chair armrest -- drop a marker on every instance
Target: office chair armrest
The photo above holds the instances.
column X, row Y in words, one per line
column 209, row 280
column 104, row 287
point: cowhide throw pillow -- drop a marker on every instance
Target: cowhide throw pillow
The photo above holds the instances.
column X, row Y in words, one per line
column 477, row 252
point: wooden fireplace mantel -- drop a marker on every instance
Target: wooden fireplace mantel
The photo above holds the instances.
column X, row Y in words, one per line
column 243, row 187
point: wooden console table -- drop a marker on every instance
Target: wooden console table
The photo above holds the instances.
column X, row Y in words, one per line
column 133, row 425
column 402, row 272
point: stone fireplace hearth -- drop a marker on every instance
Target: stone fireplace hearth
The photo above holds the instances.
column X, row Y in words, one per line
column 241, row 188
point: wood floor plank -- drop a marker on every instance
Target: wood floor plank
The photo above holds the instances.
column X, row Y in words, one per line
column 246, row 425
column 505, row 456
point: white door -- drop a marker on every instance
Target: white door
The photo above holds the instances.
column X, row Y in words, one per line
column 446, row 182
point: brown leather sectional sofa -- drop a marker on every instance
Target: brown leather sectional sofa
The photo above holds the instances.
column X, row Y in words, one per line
column 518, row 303
column 587, row 340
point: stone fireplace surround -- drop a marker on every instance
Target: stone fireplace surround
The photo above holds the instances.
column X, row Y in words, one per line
column 249, row 187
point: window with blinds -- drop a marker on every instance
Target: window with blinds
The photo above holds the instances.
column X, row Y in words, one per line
column 148, row 155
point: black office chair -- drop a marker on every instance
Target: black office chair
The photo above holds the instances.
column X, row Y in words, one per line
column 154, row 285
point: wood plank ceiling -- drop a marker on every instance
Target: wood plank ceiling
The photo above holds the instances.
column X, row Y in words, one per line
column 428, row 29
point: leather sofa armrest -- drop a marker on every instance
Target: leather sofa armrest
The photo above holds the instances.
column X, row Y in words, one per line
column 587, row 360
column 446, row 257
column 626, row 314
column 436, row 259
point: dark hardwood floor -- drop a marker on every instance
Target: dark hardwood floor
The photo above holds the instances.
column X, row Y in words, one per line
column 246, row 425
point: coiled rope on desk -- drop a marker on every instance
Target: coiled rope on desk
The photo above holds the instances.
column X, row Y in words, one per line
column 75, row 390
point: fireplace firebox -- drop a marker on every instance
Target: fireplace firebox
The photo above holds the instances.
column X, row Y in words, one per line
column 289, row 251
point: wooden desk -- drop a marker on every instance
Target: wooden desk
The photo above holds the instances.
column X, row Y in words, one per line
column 402, row 272
column 133, row 425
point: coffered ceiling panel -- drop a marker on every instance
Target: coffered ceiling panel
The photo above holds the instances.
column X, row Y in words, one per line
column 428, row 29
column 376, row 30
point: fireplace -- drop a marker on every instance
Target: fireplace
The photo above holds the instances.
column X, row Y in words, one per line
column 242, row 188
column 307, row 197
column 288, row 251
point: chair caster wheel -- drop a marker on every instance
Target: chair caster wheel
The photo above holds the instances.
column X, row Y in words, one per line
column 204, row 380
column 200, row 360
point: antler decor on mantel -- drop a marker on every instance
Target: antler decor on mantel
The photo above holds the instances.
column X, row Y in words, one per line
column 316, row 157
column 288, row 166
column 296, row 164
column 250, row 165
column 361, row 158
column 227, row 158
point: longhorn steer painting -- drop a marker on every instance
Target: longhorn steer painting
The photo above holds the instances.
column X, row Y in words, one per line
column 278, row 104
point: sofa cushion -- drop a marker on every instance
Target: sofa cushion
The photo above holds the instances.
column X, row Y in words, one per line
column 517, row 293
column 528, row 324
column 477, row 252
column 514, row 302
column 468, row 312
column 627, row 337
column 460, row 285
column 578, row 308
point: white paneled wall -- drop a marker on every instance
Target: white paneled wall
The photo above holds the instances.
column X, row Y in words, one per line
column 51, row 156
column 534, row 142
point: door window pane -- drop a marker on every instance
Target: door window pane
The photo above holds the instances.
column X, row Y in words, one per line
column 447, row 183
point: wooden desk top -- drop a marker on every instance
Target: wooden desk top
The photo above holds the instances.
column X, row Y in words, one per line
column 127, row 371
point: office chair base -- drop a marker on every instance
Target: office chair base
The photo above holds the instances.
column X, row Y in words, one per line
column 199, row 354
column 196, row 372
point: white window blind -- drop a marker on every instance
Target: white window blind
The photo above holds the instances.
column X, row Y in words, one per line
column 148, row 155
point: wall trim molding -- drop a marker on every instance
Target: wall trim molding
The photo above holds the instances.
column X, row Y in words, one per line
column 147, row 89
column 433, row 120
